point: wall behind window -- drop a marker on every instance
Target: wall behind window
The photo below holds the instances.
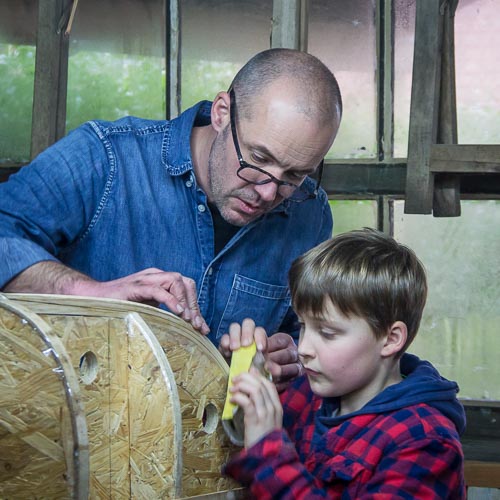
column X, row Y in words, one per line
column 477, row 36
column 217, row 39
column 459, row 331
column 353, row 214
column 342, row 34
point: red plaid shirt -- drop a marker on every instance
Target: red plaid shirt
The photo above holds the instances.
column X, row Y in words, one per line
column 413, row 452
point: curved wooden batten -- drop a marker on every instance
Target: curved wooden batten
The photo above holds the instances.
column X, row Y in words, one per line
column 43, row 434
column 152, row 389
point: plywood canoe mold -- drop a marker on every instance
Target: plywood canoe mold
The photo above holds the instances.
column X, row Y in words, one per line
column 104, row 398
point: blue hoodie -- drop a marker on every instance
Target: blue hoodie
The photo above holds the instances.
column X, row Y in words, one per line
column 422, row 383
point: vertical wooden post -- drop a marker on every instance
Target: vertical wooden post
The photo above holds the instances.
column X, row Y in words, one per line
column 385, row 80
column 424, row 106
column 289, row 25
column 446, row 201
column 173, row 59
column 51, row 76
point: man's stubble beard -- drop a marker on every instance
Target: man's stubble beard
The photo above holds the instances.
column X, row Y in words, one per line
column 219, row 196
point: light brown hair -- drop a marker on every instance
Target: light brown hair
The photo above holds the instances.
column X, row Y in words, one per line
column 364, row 273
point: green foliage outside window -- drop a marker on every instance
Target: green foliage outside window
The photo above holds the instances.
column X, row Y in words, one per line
column 17, row 70
column 108, row 86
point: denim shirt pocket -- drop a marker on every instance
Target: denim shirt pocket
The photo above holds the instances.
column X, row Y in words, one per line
column 265, row 303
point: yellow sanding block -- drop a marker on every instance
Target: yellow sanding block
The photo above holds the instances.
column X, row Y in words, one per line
column 240, row 362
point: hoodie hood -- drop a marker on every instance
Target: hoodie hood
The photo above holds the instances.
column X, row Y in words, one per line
column 422, row 383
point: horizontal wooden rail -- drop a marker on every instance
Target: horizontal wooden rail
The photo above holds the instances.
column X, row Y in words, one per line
column 482, row 474
column 465, row 158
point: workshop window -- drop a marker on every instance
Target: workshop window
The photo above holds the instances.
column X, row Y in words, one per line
column 217, row 39
column 116, row 61
column 459, row 331
column 342, row 34
column 17, row 73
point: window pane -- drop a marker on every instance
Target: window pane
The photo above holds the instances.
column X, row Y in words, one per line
column 17, row 73
column 477, row 38
column 404, row 37
column 116, row 61
column 353, row 214
column 217, row 39
column 342, row 34
column 459, row 331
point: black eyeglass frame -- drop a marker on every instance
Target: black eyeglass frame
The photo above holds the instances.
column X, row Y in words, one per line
column 270, row 178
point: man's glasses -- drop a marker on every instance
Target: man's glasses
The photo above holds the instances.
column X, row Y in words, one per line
column 255, row 175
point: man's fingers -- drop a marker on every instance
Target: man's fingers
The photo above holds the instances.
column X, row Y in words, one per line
column 194, row 308
column 173, row 289
column 225, row 347
column 282, row 349
column 234, row 336
column 279, row 341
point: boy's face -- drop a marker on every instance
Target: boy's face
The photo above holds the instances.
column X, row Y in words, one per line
column 342, row 358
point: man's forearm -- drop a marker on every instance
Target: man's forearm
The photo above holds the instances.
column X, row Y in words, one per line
column 49, row 277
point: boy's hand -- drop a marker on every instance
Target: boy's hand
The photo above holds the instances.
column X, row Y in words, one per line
column 282, row 358
column 259, row 400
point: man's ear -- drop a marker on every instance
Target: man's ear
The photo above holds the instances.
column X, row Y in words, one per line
column 219, row 115
column 395, row 340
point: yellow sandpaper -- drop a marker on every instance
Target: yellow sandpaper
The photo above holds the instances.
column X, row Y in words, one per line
column 240, row 362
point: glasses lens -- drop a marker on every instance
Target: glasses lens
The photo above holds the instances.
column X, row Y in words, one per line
column 253, row 175
column 290, row 191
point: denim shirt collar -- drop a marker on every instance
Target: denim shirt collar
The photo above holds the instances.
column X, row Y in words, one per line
column 176, row 146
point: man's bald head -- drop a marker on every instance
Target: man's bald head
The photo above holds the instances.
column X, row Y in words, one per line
column 303, row 77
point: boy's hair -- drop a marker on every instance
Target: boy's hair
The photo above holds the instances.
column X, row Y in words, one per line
column 364, row 273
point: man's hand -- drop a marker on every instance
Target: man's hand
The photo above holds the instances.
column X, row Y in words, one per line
column 259, row 400
column 155, row 286
column 151, row 286
column 282, row 360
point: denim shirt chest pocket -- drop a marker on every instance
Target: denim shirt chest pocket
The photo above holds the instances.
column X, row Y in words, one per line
column 265, row 303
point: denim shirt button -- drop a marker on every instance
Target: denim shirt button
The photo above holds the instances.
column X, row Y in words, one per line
column 189, row 183
column 201, row 208
column 210, row 271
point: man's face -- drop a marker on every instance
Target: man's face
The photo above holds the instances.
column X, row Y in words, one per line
column 278, row 140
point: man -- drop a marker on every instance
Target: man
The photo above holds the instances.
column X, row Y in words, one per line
column 197, row 214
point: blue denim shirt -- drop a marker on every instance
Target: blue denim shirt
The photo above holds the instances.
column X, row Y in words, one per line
column 113, row 198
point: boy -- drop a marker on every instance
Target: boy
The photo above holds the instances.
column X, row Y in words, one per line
column 366, row 420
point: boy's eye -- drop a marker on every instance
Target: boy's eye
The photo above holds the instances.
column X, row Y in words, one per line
column 327, row 334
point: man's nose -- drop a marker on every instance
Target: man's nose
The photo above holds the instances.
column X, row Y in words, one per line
column 267, row 192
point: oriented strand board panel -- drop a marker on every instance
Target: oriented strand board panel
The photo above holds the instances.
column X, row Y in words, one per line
column 43, row 436
column 152, row 391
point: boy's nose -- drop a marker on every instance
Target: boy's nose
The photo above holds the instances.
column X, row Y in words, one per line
column 305, row 348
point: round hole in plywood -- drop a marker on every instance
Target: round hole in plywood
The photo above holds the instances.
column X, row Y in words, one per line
column 88, row 367
column 210, row 418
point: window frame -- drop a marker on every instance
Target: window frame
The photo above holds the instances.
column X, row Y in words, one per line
column 383, row 178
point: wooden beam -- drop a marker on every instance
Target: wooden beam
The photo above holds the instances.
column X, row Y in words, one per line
column 446, row 198
column 51, row 75
column 424, row 106
column 465, row 158
column 369, row 179
column 172, row 57
column 289, row 24
column 482, row 474
column 385, row 80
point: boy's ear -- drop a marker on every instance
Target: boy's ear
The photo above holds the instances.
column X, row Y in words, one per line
column 395, row 340
column 219, row 114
